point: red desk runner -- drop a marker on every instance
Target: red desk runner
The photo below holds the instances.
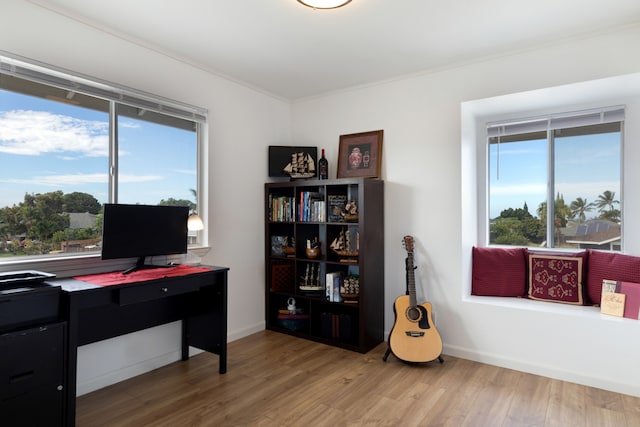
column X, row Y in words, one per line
column 117, row 278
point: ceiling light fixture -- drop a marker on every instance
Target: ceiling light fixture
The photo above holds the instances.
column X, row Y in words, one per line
column 324, row 4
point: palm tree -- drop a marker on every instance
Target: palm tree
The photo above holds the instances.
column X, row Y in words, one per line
column 606, row 201
column 579, row 207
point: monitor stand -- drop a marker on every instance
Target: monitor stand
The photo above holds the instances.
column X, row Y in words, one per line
column 140, row 265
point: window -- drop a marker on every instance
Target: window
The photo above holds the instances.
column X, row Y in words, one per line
column 554, row 181
column 69, row 144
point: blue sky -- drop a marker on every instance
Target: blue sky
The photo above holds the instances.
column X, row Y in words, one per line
column 585, row 167
column 48, row 146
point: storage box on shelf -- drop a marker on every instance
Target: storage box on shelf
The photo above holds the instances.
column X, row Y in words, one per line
column 316, row 255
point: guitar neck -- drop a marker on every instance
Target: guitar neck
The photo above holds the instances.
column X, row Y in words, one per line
column 411, row 281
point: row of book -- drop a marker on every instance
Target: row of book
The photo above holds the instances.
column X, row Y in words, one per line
column 312, row 207
column 620, row 299
column 281, row 209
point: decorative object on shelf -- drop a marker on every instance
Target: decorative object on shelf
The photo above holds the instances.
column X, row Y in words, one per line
column 350, row 289
column 282, row 276
column 350, row 212
column 312, row 250
column 360, row 155
column 289, row 246
column 277, row 245
column 291, row 305
column 310, row 282
column 323, row 167
column 280, row 156
column 324, row 4
column 344, row 246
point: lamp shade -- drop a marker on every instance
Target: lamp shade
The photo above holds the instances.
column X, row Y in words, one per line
column 324, row 4
column 194, row 223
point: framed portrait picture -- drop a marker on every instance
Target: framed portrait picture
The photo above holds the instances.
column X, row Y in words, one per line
column 360, row 155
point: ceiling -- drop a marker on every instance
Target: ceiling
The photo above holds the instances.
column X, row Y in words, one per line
column 291, row 51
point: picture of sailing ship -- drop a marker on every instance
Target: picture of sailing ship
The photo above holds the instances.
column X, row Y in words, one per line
column 300, row 166
column 345, row 246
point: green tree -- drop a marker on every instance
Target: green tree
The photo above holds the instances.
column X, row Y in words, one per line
column 606, row 206
column 81, row 202
column 178, row 202
column 507, row 231
column 579, row 207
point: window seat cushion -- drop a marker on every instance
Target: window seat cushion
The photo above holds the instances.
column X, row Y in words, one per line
column 499, row 272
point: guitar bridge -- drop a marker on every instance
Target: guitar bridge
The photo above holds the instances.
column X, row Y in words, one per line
column 414, row 334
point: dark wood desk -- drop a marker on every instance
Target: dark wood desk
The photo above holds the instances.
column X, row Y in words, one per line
column 94, row 313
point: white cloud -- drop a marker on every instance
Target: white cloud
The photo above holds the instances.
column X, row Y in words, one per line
column 32, row 133
column 79, row 179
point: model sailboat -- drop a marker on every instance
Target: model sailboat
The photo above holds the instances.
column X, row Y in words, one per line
column 300, row 166
column 344, row 246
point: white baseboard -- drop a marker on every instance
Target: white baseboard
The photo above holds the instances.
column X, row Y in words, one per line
column 542, row 370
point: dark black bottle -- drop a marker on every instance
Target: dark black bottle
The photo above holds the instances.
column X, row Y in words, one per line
column 323, row 167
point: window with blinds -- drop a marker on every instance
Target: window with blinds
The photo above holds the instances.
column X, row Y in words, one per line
column 555, row 181
column 69, row 144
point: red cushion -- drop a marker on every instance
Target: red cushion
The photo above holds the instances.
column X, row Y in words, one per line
column 499, row 272
column 612, row 266
column 557, row 278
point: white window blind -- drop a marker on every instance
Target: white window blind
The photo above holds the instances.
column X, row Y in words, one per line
column 73, row 82
column 557, row 121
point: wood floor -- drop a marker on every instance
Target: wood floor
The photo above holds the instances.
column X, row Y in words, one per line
column 278, row 380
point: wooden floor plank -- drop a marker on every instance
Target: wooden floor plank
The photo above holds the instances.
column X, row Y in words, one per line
column 278, row 380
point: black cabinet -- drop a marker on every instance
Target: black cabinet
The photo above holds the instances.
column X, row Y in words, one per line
column 32, row 376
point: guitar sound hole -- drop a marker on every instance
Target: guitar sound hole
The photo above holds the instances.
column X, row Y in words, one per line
column 413, row 314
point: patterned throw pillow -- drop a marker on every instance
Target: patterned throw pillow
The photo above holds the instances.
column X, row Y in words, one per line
column 499, row 272
column 557, row 278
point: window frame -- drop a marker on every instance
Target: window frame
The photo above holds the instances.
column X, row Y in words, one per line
column 549, row 128
column 58, row 78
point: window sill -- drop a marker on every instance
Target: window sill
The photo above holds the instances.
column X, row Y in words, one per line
column 585, row 311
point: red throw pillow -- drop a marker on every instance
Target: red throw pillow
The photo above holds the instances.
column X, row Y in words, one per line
column 499, row 272
column 612, row 266
column 557, row 278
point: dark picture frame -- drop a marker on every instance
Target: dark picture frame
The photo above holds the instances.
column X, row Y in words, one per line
column 360, row 155
column 280, row 155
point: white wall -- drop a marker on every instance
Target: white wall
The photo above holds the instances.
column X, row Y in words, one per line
column 431, row 194
column 243, row 122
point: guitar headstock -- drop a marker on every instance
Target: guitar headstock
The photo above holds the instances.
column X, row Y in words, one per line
column 407, row 243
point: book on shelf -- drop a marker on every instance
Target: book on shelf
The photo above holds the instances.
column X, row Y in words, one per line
column 631, row 293
column 337, row 203
column 333, row 281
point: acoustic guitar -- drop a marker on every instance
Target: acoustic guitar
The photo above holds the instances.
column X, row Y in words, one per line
column 414, row 337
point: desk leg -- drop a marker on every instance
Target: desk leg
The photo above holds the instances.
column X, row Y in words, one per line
column 185, row 340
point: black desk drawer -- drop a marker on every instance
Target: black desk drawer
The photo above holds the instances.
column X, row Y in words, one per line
column 35, row 306
column 151, row 291
column 30, row 359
